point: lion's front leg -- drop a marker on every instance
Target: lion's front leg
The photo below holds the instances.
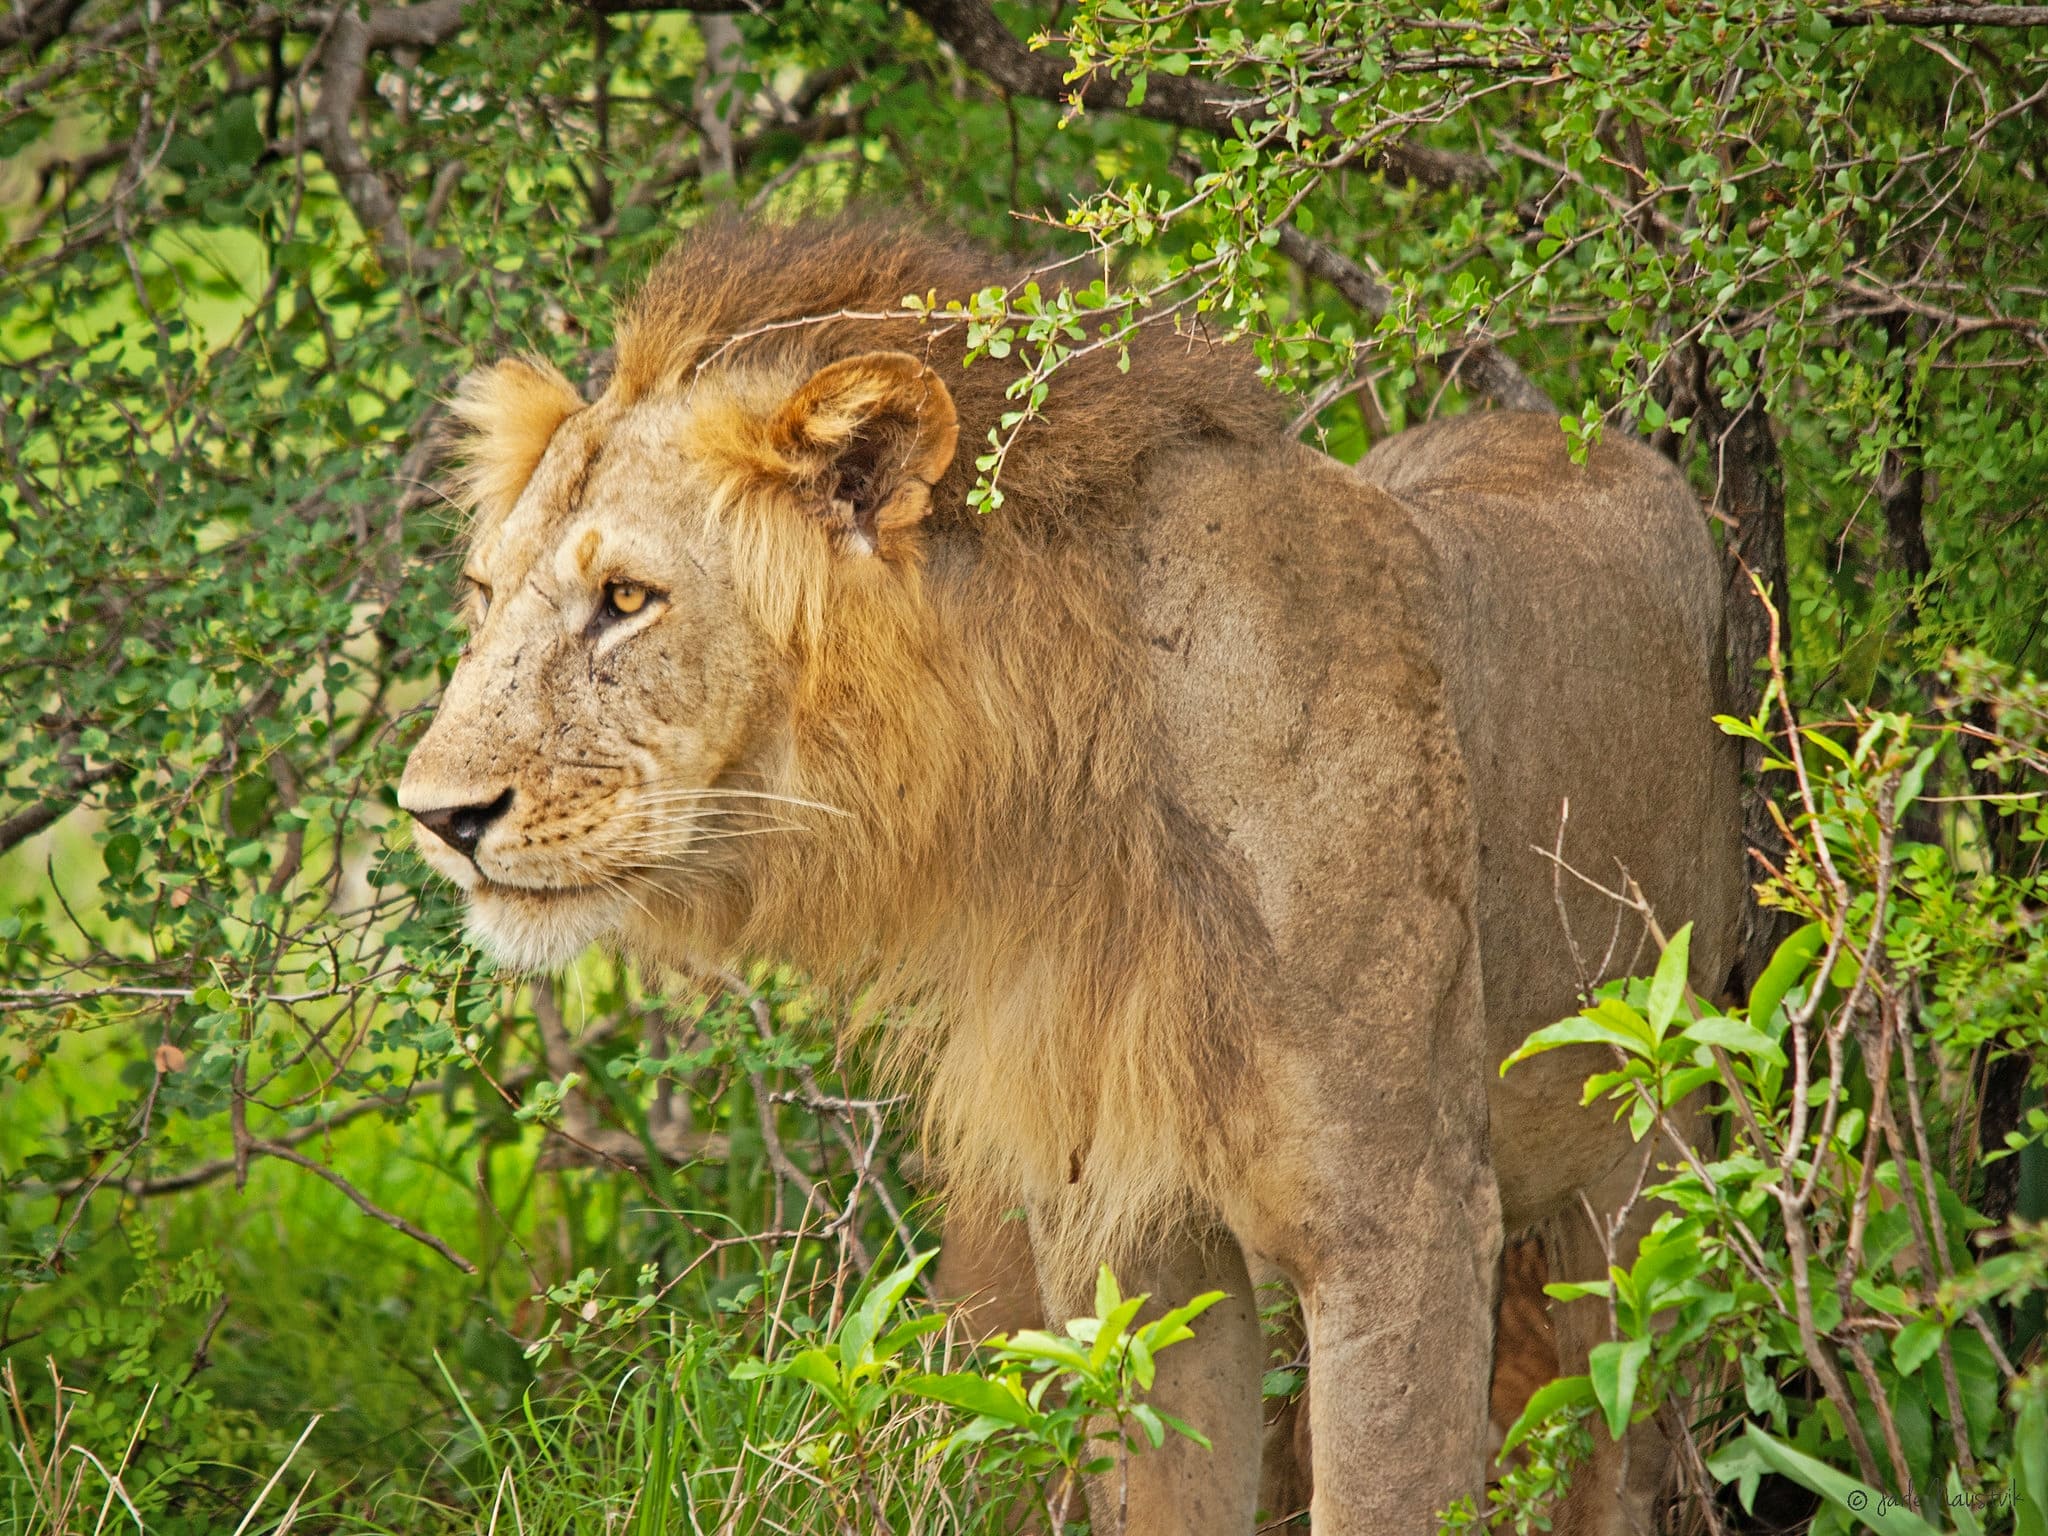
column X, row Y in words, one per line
column 1400, row 1349
column 1210, row 1381
column 1375, row 1192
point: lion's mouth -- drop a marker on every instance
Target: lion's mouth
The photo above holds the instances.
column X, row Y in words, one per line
column 486, row 885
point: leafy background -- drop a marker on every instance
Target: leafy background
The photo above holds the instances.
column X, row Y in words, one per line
column 276, row 1146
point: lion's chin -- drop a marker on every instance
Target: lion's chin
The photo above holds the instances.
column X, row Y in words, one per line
column 539, row 932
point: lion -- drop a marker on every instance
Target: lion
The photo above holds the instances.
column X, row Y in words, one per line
column 1178, row 829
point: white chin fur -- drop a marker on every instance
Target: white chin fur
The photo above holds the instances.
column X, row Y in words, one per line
column 539, row 934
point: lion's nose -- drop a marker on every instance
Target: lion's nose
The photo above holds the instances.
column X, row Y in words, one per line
column 462, row 827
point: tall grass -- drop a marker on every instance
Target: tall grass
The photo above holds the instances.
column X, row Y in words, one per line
column 661, row 1418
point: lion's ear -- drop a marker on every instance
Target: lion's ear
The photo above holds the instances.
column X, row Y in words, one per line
column 868, row 437
column 508, row 412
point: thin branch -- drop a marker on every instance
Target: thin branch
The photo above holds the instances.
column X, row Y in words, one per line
column 1941, row 16
column 37, row 26
column 692, row 7
column 974, row 31
column 138, row 1187
column 1482, row 366
column 365, row 1204
column 344, row 67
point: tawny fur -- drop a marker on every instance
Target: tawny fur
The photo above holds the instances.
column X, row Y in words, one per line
column 509, row 413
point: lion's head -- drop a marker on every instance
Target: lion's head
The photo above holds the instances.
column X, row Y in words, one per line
column 640, row 572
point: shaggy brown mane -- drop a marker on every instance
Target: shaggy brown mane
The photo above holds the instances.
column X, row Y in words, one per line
column 1029, row 892
column 731, row 297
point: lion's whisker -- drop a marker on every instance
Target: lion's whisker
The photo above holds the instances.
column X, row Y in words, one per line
column 610, row 882
column 702, row 839
column 701, row 814
column 678, row 819
column 682, row 846
column 657, row 827
column 740, row 794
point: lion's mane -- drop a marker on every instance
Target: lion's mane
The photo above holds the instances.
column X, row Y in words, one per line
column 1062, row 961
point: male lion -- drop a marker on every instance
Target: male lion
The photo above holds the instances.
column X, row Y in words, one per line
column 1173, row 810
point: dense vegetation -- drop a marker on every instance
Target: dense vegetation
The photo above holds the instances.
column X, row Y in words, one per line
column 290, row 1180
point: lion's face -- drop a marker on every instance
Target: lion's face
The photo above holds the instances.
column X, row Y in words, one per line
column 618, row 727
column 613, row 676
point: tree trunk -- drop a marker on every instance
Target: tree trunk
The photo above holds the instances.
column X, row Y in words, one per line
column 1748, row 499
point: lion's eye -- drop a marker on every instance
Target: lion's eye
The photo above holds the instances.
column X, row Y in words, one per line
column 623, row 599
column 481, row 591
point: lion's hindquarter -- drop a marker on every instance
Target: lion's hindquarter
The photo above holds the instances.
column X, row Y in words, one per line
column 1378, row 690
column 1359, row 673
column 1581, row 641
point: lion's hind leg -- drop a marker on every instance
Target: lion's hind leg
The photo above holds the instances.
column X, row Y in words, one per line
column 1621, row 1491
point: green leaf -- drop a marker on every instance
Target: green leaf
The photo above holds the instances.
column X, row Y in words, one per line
column 121, row 854
column 2030, row 1466
column 22, row 132
column 1760, row 1387
column 1115, row 1326
column 1978, row 1376
column 1613, row 1367
column 1033, row 1346
column 1628, row 1025
column 1552, row 1397
column 1916, row 1343
column 1606, row 1082
column 1913, row 778
column 1108, row 1296
column 1573, row 1290
column 1642, row 1115
column 976, row 1394
column 1859, row 1501
column 1688, row 1080
column 1967, row 1523
column 817, row 1368
column 1788, row 963
column 1148, row 1420
column 1667, row 987
column 1613, row 1022
column 864, row 1322
column 237, row 138
column 1171, row 1327
column 1737, row 1462
column 1279, row 1383
column 1736, row 1035
column 1138, row 1355
column 891, row 1343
